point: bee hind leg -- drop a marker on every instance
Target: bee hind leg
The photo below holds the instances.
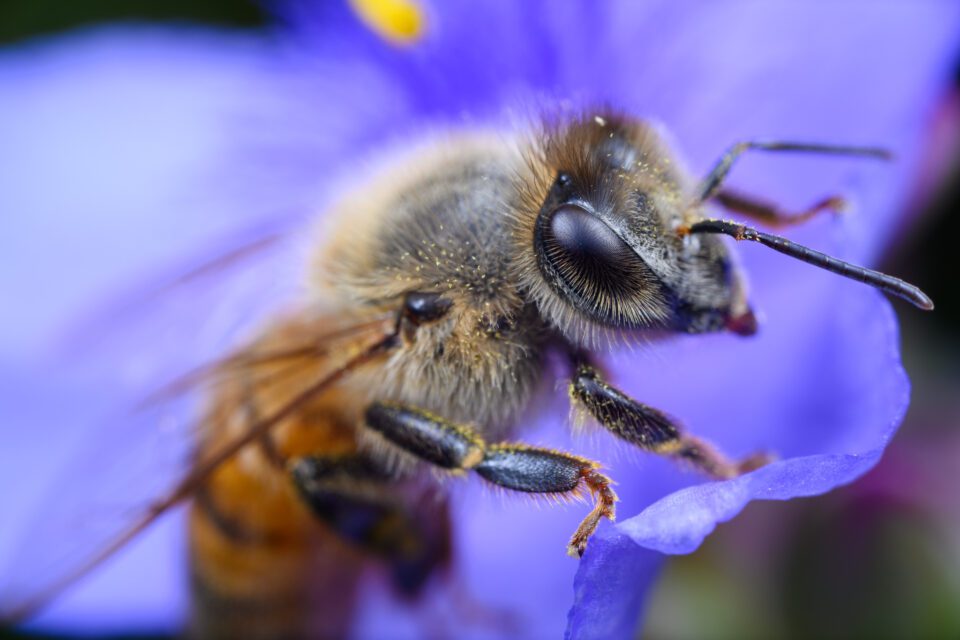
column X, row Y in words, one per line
column 712, row 183
column 771, row 215
column 651, row 429
column 517, row 467
column 356, row 499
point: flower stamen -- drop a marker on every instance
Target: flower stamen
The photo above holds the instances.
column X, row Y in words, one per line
column 399, row 22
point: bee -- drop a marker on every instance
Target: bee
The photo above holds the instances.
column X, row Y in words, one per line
column 436, row 295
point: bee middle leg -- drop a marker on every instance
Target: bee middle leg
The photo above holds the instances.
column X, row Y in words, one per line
column 355, row 498
column 512, row 466
column 651, row 429
column 771, row 215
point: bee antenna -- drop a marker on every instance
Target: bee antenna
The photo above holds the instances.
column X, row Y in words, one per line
column 888, row 284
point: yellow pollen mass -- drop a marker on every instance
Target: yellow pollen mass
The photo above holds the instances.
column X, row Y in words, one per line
column 397, row 21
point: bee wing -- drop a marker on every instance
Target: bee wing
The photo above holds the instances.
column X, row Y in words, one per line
column 186, row 315
column 139, row 464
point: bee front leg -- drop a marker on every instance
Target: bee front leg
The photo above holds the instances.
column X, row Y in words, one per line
column 511, row 466
column 650, row 429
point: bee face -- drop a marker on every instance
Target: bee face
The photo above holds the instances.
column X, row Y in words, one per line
column 597, row 224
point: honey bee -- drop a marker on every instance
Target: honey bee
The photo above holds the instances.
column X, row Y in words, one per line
column 437, row 294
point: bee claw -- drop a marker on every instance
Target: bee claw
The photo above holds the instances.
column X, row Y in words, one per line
column 577, row 547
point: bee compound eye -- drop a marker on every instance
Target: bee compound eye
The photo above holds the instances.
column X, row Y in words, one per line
column 579, row 240
column 591, row 267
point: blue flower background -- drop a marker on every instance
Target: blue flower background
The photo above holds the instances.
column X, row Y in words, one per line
column 128, row 150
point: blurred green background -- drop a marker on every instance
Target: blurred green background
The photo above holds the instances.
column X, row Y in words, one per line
column 24, row 19
column 878, row 559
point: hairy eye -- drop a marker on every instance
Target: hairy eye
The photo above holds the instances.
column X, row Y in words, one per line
column 586, row 262
column 589, row 245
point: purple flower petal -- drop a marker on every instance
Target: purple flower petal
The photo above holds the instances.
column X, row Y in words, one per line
column 844, row 357
column 609, row 591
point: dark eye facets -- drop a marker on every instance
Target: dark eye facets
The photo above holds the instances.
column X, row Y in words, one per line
column 587, row 263
column 584, row 240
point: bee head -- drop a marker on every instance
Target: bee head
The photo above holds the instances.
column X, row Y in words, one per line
column 597, row 228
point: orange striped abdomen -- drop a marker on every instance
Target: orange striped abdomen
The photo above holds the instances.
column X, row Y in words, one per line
column 261, row 564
